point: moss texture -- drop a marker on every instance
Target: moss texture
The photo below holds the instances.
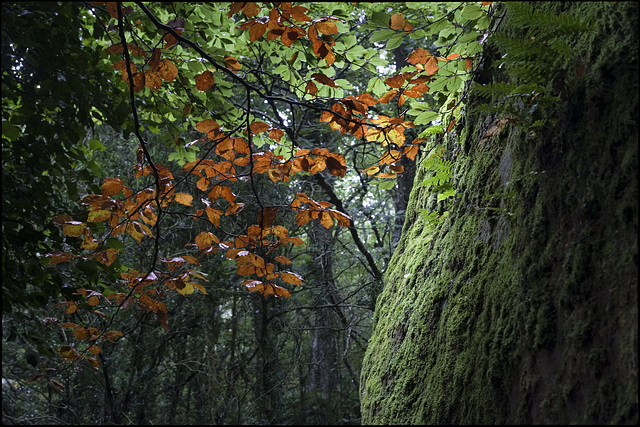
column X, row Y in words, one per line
column 524, row 309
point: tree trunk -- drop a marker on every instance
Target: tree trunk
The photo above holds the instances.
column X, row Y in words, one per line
column 521, row 307
column 325, row 332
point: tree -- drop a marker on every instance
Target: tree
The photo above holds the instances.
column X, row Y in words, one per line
column 520, row 306
column 205, row 87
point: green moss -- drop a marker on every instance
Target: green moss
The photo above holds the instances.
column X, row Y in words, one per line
column 523, row 309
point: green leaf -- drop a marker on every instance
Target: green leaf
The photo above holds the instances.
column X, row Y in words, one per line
column 115, row 243
column 96, row 145
column 419, row 34
column 471, row 12
column 381, row 35
column 395, row 41
column 426, row 118
column 382, row 19
column 10, row 131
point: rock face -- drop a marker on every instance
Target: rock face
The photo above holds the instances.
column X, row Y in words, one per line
column 522, row 305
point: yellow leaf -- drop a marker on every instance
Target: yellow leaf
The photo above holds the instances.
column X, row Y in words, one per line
column 326, row 219
column 188, row 289
column 99, row 215
column 205, row 239
column 135, row 232
column 184, row 199
column 292, row 278
column 199, row 287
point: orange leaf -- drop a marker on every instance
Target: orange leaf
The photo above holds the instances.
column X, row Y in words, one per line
column 234, row 208
column 416, row 91
column 112, row 8
column 290, row 35
column 431, row 66
column 283, row 260
column 81, row 333
column 326, row 27
column 311, row 88
column 57, row 257
column 411, row 152
column 266, row 217
column 298, row 13
column 258, row 127
column 397, row 22
column 71, row 307
column 396, row 81
column 231, row 63
column 323, row 79
column 214, row 215
column 95, row 349
column 111, row 186
column 167, row 70
column 251, row 9
column 204, row 80
column 135, row 232
column 113, row 335
column 206, row 239
column 152, row 80
column 256, row 30
column 343, row 220
column 418, row 56
column 336, row 164
column 303, row 217
column 154, row 62
column 276, row 134
column 388, row 96
column 207, row 125
column 279, row 291
column 326, row 219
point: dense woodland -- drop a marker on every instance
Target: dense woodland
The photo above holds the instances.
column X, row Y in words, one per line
column 200, row 201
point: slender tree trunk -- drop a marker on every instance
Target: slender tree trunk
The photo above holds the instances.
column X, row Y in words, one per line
column 405, row 179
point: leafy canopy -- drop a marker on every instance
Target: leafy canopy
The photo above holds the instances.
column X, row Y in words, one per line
column 230, row 87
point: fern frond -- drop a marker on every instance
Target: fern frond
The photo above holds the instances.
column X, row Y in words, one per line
column 546, row 24
column 438, row 164
column 443, row 169
column 432, row 219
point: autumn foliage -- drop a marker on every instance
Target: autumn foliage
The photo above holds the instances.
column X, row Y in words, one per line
column 231, row 156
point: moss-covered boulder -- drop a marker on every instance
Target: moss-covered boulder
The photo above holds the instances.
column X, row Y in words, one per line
column 522, row 305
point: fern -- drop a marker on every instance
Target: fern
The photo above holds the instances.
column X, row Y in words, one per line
column 532, row 60
column 443, row 169
column 547, row 24
column 432, row 219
